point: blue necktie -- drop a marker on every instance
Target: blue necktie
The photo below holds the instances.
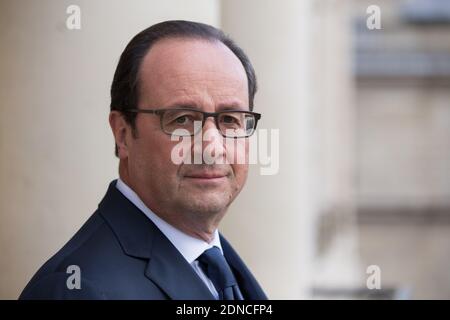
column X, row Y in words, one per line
column 218, row 271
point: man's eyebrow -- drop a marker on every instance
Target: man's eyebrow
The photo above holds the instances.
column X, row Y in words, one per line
column 184, row 105
column 232, row 106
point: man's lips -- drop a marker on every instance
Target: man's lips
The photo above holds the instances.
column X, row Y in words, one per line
column 205, row 175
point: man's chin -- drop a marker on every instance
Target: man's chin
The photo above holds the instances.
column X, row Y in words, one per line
column 208, row 203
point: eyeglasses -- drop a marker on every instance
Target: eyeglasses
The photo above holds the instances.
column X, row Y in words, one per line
column 186, row 122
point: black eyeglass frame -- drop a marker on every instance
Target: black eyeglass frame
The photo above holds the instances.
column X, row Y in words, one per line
column 206, row 115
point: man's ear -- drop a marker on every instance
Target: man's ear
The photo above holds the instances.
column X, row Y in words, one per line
column 121, row 131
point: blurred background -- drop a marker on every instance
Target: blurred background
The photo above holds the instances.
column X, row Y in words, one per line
column 363, row 115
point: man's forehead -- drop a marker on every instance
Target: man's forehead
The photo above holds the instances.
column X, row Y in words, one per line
column 189, row 66
column 182, row 52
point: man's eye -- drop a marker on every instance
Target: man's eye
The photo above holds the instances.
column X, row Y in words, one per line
column 182, row 120
column 229, row 119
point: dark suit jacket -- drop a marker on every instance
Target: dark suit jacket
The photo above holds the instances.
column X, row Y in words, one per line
column 123, row 255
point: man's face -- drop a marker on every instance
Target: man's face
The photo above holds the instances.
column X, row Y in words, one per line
column 178, row 73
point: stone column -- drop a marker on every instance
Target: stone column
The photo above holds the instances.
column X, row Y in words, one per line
column 272, row 220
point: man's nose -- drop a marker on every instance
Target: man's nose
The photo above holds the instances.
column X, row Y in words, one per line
column 213, row 140
column 210, row 124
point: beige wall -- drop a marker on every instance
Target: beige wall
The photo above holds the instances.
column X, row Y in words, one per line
column 404, row 155
column 56, row 148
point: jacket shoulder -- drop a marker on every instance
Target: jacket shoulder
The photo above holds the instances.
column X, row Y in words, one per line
column 80, row 256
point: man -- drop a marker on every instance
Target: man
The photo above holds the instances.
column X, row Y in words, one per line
column 154, row 235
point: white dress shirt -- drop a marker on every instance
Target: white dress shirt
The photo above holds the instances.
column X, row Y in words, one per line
column 189, row 247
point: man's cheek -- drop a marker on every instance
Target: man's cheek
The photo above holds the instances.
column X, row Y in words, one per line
column 237, row 151
column 240, row 171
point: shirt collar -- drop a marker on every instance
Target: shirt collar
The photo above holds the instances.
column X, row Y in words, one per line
column 189, row 247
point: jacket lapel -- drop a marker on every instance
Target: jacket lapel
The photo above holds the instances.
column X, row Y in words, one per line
column 172, row 273
column 140, row 238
